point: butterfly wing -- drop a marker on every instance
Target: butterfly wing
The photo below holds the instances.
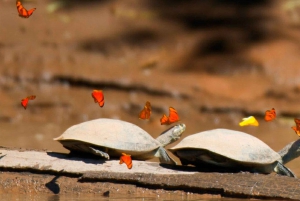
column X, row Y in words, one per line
column 29, row 12
column 173, row 115
column 164, row 120
column 24, row 103
column 270, row 115
column 101, row 103
column 296, row 130
column 297, row 121
column 297, row 127
column 146, row 112
column 32, row 97
column 129, row 162
column 148, row 106
column 21, row 10
column 121, row 160
column 94, row 97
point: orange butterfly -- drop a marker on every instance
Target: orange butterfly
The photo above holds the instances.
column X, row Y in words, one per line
column 270, row 115
column 98, row 97
column 146, row 112
column 22, row 11
column 24, row 101
column 127, row 160
column 173, row 117
column 297, row 127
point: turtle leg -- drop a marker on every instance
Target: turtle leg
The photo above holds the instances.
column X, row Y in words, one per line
column 281, row 169
column 99, row 153
column 164, row 156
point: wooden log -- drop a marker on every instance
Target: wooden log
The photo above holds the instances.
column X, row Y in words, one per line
column 152, row 175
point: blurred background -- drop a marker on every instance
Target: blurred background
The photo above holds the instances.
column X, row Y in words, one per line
column 215, row 61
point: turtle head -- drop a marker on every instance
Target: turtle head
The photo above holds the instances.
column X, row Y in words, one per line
column 290, row 152
column 177, row 131
column 171, row 135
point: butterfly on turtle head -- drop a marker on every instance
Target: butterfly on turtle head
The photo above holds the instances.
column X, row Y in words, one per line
column 173, row 117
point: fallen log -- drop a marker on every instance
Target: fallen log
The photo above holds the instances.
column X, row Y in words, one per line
column 145, row 175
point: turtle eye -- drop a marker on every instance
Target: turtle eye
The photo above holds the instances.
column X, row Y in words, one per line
column 181, row 128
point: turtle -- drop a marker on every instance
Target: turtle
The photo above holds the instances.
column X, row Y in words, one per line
column 111, row 137
column 224, row 149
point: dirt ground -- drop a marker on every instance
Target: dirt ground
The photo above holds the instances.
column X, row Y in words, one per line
column 214, row 61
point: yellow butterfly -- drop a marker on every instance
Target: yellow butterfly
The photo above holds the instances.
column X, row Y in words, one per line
column 249, row 121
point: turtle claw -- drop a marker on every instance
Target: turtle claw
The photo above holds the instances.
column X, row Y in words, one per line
column 100, row 153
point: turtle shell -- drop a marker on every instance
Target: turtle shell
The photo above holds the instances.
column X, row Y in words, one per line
column 235, row 145
column 111, row 134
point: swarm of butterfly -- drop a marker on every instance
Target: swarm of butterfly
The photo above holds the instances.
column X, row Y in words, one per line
column 98, row 97
column 173, row 117
column 164, row 120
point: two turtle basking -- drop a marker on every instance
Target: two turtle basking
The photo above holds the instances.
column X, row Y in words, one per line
column 221, row 148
